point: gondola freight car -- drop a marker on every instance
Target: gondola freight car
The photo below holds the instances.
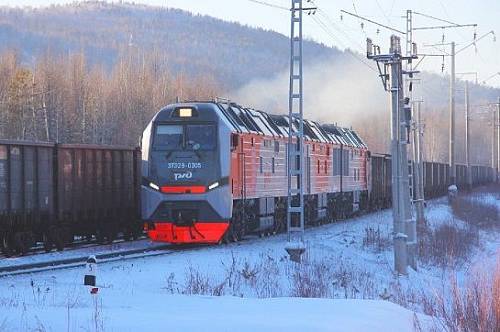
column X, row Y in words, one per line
column 51, row 192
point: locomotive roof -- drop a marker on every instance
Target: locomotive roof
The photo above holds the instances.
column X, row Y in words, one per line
column 248, row 120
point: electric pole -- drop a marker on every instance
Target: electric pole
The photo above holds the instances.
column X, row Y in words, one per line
column 417, row 143
column 467, row 137
column 295, row 152
column 417, row 174
column 392, row 79
column 494, row 138
column 451, row 152
column 498, row 140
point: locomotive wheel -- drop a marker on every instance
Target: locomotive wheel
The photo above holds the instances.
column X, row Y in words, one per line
column 238, row 229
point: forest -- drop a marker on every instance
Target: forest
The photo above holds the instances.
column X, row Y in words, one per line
column 63, row 99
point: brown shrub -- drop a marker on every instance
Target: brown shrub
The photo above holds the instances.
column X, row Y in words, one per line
column 375, row 239
column 474, row 308
column 475, row 212
column 447, row 244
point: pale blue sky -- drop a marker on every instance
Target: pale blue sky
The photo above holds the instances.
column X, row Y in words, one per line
column 348, row 32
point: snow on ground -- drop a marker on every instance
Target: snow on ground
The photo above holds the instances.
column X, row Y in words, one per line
column 205, row 313
column 260, row 290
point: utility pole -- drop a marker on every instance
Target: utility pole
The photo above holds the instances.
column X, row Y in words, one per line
column 498, row 140
column 392, row 79
column 494, row 161
column 295, row 204
column 417, row 160
column 467, row 137
column 468, row 175
column 451, row 152
column 418, row 189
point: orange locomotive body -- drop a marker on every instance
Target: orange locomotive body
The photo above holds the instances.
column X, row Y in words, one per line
column 198, row 191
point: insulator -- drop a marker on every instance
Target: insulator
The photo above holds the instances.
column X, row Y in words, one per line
column 378, row 31
column 362, row 25
column 341, row 17
column 442, row 39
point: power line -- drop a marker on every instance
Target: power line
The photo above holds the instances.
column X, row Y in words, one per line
column 326, row 29
column 268, row 4
column 373, row 22
column 383, row 12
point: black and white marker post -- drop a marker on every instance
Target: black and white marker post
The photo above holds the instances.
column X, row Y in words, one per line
column 90, row 274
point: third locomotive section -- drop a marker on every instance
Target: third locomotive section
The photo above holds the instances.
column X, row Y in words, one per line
column 51, row 192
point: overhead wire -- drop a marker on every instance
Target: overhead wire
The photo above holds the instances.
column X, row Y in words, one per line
column 269, row 4
column 325, row 28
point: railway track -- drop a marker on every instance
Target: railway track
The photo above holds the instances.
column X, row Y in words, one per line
column 80, row 260
column 75, row 245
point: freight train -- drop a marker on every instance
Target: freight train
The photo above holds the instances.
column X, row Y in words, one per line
column 49, row 193
column 209, row 172
column 216, row 171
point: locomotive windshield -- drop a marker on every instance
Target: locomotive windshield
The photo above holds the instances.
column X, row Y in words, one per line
column 168, row 137
column 185, row 137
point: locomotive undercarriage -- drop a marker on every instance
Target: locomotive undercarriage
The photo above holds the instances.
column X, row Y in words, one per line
column 250, row 218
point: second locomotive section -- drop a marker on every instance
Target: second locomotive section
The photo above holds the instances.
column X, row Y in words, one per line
column 214, row 171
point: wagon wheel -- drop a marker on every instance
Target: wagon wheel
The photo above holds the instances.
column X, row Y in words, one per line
column 6, row 244
column 110, row 233
column 99, row 235
column 60, row 239
column 27, row 239
column 47, row 242
column 18, row 243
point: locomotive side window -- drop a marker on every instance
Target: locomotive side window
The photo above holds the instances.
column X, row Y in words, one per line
column 168, row 137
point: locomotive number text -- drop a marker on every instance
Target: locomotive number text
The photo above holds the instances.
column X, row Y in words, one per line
column 184, row 165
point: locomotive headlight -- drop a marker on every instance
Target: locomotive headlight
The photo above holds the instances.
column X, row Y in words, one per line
column 213, row 185
column 185, row 112
column 154, row 186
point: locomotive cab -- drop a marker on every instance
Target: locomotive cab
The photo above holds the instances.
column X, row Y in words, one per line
column 185, row 184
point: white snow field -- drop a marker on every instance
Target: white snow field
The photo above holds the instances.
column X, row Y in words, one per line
column 344, row 284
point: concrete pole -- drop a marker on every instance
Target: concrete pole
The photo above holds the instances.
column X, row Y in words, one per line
column 493, row 147
column 421, row 155
column 404, row 183
column 452, row 117
column 417, row 161
column 400, row 237
column 498, row 140
column 467, row 137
